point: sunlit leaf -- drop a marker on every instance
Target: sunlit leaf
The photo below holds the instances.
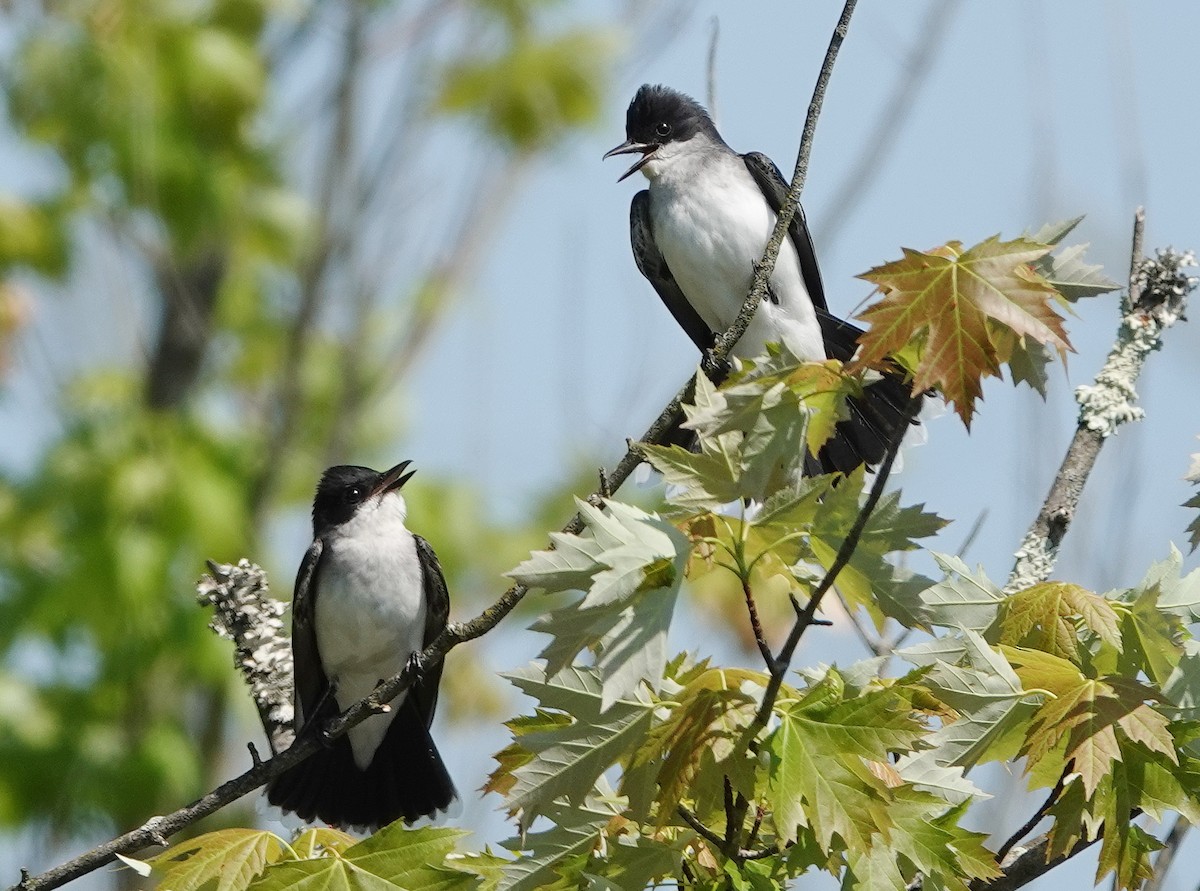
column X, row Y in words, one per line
column 967, row 307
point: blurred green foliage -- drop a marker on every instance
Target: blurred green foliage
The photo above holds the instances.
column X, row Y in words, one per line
column 155, row 119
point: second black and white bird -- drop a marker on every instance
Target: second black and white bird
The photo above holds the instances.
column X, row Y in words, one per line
column 369, row 595
column 698, row 232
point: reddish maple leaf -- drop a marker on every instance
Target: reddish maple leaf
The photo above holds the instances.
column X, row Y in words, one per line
column 961, row 314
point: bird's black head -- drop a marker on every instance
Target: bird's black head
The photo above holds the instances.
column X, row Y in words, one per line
column 659, row 116
column 345, row 488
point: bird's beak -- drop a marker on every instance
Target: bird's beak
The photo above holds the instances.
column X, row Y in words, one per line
column 629, row 147
column 395, row 478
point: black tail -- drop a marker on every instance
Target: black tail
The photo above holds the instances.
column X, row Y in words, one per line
column 885, row 406
column 406, row 778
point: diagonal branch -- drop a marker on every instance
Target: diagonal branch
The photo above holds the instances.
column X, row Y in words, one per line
column 1028, row 825
column 762, row 272
column 1171, row 845
column 1158, row 291
column 807, row 616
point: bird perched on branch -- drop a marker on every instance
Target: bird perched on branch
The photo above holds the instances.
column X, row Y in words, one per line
column 698, row 232
column 369, row 597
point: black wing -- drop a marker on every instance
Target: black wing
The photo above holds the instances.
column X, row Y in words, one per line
column 311, row 683
column 651, row 263
column 774, row 188
column 437, row 613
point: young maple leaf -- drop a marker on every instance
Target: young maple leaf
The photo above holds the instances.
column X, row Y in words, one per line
column 967, row 311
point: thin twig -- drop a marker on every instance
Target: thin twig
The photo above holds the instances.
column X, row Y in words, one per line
column 1029, row 824
column 806, row 616
column 710, row 98
column 1032, row 864
column 873, row 642
column 756, row 625
column 1171, row 845
column 844, row 554
column 759, row 813
column 895, row 113
column 698, row 825
column 731, row 844
column 762, row 272
column 741, row 855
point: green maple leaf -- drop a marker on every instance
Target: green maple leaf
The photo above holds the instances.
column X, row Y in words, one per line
column 825, row 791
column 817, row 778
column 1193, row 528
column 872, row 723
column 630, row 564
column 704, row 724
column 635, row 863
column 1181, row 690
column 1179, row 595
column 803, row 399
column 967, row 309
column 1126, row 847
column 1150, row 636
column 1044, row 617
column 395, row 857
column 556, row 857
column 1071, row 277
column 985, row 693
column 963, row 599
column 755, row 430
column 563, row 760
column 872, row 868
column 927, row 833
column 1093, row 717
column 228, row 859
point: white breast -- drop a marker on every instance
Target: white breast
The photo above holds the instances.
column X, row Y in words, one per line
column 712, row 224
column 370, row 611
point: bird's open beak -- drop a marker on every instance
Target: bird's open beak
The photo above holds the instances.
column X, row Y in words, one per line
column 395, row 478
column 629, row 147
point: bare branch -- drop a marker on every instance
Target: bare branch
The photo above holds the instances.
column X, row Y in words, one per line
column 710, row 98
column 807, row 616
column 896, row 112
column 1171, row 845
column 756, row 625
column 1031, row 864
column 1028, row 826
column 1158, row 292
column 701, row 830
column 762, row 272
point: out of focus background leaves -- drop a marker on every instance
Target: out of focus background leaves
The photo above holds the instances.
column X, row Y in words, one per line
column 252, row 194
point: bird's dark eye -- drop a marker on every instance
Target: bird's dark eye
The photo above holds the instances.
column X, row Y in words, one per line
column 354, row 495
column 663, row 129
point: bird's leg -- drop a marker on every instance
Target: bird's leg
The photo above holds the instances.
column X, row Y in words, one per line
column 415, row 665
column 715, row 367
column 327, row 697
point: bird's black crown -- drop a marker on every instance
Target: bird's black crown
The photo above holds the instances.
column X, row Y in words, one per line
column 339, row 493
column 658, row 115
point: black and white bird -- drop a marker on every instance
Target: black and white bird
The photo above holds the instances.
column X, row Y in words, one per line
column 369, row 595
column 698, row 232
